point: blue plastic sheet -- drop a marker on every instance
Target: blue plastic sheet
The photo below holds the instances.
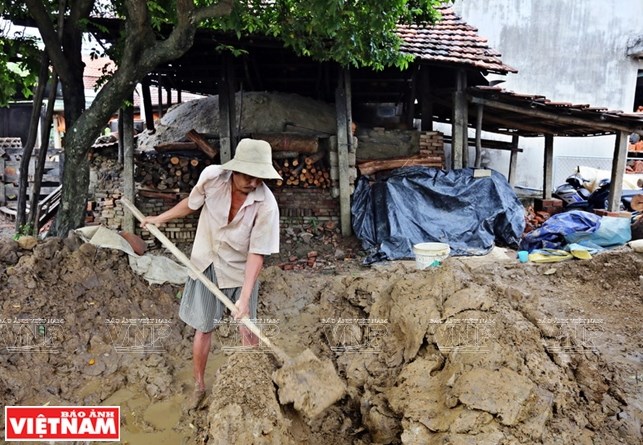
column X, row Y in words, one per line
column 554, row 232
column 412, row 205
column 612, row 231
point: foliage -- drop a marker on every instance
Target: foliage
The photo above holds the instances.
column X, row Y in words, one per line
column 19, row 62
column 24, row 230
column 358, row 33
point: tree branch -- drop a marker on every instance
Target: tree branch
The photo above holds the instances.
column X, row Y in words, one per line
column 53, row 44
column 80, row 10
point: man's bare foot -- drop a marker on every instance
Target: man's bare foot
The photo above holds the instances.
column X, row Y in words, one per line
column 195, row 400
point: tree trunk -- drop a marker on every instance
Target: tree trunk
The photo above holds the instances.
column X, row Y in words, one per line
column 142, row 52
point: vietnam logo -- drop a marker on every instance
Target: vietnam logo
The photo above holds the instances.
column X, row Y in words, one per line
column 62, row 423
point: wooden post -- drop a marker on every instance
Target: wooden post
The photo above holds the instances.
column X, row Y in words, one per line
column 548, row 168
column 226, row 111
column 3, row 197
column 513, row 159
column 426, row 102
column 343, row 130
column 618, row 168
column 459, row 140
column 159, row 87
column 127, row 116
column 479, row 112
column 147, row 104
column 121, row 131
column 410, row 101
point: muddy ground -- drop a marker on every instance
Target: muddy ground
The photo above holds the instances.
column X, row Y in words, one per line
column 481, row 350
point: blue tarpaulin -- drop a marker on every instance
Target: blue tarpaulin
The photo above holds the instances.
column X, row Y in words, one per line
column 551, row 235
column 412, row 205
column 579, row 227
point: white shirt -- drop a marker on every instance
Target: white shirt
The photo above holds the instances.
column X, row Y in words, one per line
column 254, row 229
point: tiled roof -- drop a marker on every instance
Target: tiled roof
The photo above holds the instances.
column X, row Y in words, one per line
column 535, row 115
column 94, row 70
column 451, row 41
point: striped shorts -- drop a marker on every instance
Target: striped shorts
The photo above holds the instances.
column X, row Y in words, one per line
column 202, row 310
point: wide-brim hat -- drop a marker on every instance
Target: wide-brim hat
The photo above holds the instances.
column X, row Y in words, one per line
column 254, row 158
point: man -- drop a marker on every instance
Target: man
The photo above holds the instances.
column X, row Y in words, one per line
column 238, row 225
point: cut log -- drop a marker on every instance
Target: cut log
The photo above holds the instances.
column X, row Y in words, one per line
column 171, row 146
column 370, row 167
column 310, row 160
column 290, row 142
column 169, row 195
column 284, row 154
column 201, row 143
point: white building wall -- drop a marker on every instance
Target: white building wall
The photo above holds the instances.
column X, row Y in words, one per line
column 567, row 50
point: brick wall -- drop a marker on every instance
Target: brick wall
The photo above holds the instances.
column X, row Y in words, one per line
column 178, row 231
column 297, row 203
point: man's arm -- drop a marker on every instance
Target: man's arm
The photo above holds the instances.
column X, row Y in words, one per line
column 253, row 268
column 178, row 211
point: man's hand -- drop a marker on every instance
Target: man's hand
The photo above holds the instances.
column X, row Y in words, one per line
column 243, row 308
column 156, row 220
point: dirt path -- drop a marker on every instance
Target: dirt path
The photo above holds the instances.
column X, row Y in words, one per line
column 482, row 350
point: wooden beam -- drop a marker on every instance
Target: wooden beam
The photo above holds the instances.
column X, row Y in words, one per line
column 517, row 125
column 120, row 136
column 159, row 90
column 513, row 160
column 459, row 146
column 425, row 99
column 409, row 114
column 547, row 115
column 147, row 104
column 201, row 143
column 548, row 167
column 127, row 116
column 479, row 111
column 490, row 143
column 3, row 198
column 618, row 169
column 342, row 153
column 226, row 113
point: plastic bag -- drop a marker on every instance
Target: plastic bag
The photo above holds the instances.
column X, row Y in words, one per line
column 552, row 234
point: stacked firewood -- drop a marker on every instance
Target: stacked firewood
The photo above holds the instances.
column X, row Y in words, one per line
column 169, row 172
column 303, row 171
column 299, row 158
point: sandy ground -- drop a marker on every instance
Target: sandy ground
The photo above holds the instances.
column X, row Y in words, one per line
column 481, row 350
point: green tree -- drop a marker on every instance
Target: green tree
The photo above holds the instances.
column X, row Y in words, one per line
column 351, row 32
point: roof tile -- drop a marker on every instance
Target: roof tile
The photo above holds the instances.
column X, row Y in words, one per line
column 451, row 40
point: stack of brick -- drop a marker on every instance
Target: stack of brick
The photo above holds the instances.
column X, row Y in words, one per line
column 296, row 203
column 180, row 230
column 432, row 145
column 107, row 186
column 106, row 210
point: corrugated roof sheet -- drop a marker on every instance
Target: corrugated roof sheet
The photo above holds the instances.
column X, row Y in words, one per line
column 451, row 41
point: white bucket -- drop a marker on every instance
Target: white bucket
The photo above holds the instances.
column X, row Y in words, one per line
column 430, row 254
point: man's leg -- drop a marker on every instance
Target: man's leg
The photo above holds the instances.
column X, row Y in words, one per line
column 200, row 352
